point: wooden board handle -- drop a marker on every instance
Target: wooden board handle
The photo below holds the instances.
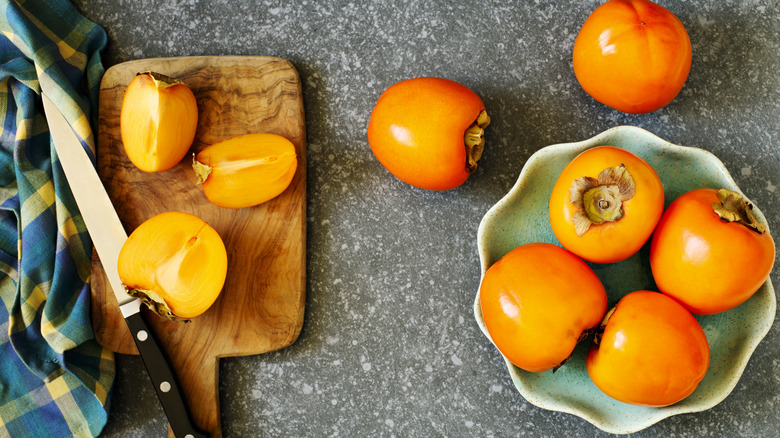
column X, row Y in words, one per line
column 200, row 387
column 164, row 379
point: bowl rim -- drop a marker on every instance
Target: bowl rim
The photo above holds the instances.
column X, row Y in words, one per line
column 495, row 211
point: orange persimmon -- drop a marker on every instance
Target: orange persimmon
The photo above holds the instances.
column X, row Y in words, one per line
column 632, row 55
column 175, row 263
column 158, row 120
column 606, row 204
column 246, row 170
column 537, row 303
column 710, row 252
column 650, row 352
column 428, row 132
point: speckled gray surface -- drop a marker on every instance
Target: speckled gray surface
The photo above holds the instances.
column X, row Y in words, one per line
column 389, row 345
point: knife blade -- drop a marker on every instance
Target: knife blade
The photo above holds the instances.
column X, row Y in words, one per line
column 108, row 235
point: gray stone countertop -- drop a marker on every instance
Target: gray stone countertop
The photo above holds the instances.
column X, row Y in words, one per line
column 389, row 345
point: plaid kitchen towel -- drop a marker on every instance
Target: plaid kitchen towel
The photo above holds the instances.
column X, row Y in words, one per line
column 55, row 379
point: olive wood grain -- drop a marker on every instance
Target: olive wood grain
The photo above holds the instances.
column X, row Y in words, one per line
column 261, row 306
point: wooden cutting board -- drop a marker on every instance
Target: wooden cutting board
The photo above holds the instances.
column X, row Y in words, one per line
column 261, row 306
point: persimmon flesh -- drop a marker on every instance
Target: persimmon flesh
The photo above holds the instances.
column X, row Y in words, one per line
column 158, row 120
column 246, row 170
column 176, row 263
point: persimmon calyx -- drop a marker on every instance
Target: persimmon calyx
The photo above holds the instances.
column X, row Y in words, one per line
column 154, row 302
column 599, row 331
column 733, row 207
column 161, row 80
column 201, row 170
column 474, row 139
column 583, row 336
column 600, row 199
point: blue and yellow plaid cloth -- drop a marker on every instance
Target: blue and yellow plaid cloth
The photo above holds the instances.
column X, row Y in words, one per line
column 55, row 380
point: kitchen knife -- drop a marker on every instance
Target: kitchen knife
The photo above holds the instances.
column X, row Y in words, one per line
column 108, row 235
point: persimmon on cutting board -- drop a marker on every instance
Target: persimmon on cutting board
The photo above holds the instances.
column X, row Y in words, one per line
column 247, row 170
column 175, row 263
column 158, row 121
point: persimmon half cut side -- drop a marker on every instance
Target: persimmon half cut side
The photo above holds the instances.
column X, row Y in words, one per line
column 246, row 170
column 158, row 120
column 175, row 263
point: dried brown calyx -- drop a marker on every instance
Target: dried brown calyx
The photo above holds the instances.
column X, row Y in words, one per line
column 600, row 200
column 733, row 207
column 474, row 139
column 583, row 336
column 599, row 331
column 161, row 80
column 155, row 303
column 202, row 171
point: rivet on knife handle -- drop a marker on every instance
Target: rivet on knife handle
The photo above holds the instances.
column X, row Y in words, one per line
column 160, row 372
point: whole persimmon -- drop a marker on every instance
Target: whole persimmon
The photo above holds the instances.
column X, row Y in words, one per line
column 157, row 122
column 710, row 252
column 538, row 302
column 606, row 204
column 428, row 132
column 632, row 55
column 651, row 352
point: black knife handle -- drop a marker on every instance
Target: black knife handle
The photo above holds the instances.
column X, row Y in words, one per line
column 162, row 377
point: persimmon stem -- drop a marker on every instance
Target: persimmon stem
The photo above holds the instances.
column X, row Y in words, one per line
column 600, row 199
column 733, row 207
column 583, row 336
column 599, row 331
column 474, row 140
column 201, row 170
column 161, row 80
column 154, row 302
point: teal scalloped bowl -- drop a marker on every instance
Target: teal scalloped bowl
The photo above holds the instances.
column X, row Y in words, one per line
column 521, row 217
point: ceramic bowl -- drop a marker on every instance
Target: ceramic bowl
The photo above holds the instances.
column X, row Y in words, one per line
column 521, row 217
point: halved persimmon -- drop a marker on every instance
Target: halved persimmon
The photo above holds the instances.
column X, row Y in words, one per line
column 158, row 120
column 246, row 170
column 175, row 263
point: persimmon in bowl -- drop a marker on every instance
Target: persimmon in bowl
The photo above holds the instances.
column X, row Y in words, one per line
column 522, row 217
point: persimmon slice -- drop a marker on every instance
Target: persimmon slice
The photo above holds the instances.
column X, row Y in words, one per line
column 175, row 263
column 246, row 170
column 158, row 120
